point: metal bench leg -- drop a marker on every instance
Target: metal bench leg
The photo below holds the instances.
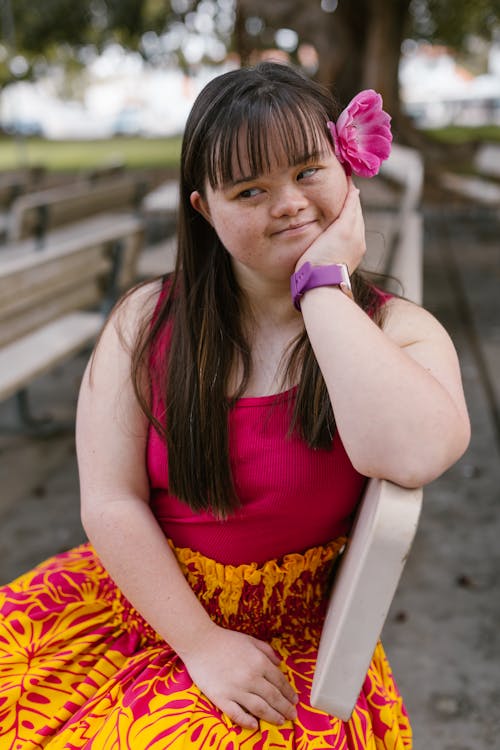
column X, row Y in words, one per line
column 29, row 424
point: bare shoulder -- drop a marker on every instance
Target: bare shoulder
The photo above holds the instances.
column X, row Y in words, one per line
column 128, row 319
column 111, row 426
column 406, row 323
column 135, row 308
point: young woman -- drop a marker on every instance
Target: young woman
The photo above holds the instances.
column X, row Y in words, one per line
column 226, row 428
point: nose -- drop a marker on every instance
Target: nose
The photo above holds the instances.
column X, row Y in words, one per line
column 288, row 201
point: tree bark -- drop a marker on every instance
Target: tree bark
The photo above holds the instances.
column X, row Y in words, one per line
column 241, row 38
column 341, row 43
column 387, row 25
column 358, row 45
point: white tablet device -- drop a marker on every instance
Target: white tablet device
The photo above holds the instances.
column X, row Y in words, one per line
column 362, row 593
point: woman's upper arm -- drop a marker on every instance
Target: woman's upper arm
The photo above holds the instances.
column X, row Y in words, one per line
column 423, row 338
column 111, row 429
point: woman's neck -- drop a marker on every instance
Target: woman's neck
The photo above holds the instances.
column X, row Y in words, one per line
column 268, row 303
column 270, row 334
column 271, row 324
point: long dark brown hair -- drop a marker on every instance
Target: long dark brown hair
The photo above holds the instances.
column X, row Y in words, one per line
column 241, row 115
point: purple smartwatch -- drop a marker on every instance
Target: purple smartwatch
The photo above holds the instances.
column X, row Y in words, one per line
column 310, row 277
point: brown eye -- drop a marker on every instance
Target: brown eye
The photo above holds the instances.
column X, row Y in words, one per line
column 249, row 193
column 309, row 172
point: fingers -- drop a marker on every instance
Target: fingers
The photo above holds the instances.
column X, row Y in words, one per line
column 254, row 707
column 343, row 240
column 276, row 676
column 242, row 676
column 352, row 204
column 266, row 703
column 349, row 229
column 273, row 697
column 277, row 705
column 263, row 708
column 238, row 715
column 277, row 679
column 268, row 650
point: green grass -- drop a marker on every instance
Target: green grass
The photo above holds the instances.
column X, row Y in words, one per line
column 458, row 135
column 134, row 153
column 155, row 153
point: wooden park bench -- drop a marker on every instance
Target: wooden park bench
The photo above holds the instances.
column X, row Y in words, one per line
column 54, row 301
column 363, row 590
column 13, row 183
column 157, row 259
column 110, row 169
column 36, row 214
column 482, row 187
column 159, row 210
column 394, row 224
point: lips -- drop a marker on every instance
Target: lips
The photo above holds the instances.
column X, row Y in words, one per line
column 295, row 228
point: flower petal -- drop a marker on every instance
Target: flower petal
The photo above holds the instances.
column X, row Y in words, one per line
column 365, row 164
column 362, row 135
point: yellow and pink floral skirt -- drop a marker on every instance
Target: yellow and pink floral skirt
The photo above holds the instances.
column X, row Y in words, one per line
column 81, row 669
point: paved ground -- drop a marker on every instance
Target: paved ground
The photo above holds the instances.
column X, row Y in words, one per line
column 442, row 634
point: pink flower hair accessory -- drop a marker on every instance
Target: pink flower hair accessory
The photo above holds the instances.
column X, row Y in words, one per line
column 362, row 135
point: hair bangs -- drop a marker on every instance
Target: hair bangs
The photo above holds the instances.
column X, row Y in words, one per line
column 264, row 133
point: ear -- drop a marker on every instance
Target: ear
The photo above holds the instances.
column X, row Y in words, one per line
column 199, row 204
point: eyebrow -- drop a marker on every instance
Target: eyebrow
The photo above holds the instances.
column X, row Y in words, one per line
column 303, row 159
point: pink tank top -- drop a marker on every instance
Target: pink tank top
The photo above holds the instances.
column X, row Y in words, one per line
column 292, row 497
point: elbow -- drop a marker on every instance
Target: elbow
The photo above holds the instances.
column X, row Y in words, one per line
column 89, row 519
column 100, row 518
column 415, row 467
column 111, row 511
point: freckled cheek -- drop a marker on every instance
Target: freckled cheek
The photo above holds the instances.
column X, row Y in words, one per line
column 234, row 235
column 333, row 207
column 222, row 225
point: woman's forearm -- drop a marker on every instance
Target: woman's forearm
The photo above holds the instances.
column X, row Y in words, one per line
column 138, row 557
column 395, row 418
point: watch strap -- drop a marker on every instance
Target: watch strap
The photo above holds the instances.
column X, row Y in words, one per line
column 310, row 277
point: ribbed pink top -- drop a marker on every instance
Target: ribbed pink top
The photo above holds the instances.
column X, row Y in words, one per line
column 291, row 497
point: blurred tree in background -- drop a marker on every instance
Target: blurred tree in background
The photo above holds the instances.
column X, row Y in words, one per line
column 358, row 43
column 345, row 44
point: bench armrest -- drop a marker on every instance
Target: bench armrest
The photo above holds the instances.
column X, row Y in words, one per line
column 363, row 590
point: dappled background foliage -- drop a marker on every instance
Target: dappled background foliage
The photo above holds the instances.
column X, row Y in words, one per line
column 356, row 43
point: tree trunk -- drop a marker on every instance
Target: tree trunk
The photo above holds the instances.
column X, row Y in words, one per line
column 358, row 45
column 386, row 31
column 241, row 39
column 340, row 41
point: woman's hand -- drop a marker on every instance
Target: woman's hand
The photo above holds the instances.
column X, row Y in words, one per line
column 343, row 241
column 241, row 676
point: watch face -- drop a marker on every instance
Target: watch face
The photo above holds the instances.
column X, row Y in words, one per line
column 345, row 276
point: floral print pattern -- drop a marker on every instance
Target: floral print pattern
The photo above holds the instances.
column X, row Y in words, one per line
column 80, row 669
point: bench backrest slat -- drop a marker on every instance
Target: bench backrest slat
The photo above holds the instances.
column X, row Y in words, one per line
column 37, row 213
column 85, row 295
column 82, row 272
column 15, row 182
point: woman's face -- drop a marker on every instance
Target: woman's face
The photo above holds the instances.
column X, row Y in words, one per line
column 267, row 221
